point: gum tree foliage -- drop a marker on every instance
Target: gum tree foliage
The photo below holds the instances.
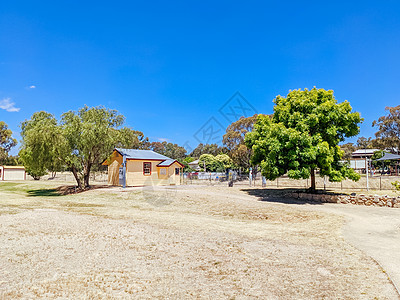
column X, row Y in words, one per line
column 389, row 128
column 80, row 140
column 169, row 149
column 6, row 141
column 213, row 149
column 40, row 137
column 132, row 139
column 348, row 149
column 370, row 143
column 303, row 135
column 233, row 140
column 89, row 136
column 218, row 163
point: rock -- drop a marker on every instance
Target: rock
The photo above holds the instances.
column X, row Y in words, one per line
column 353, row 194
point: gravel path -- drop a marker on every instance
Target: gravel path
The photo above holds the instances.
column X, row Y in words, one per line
column 374, row 230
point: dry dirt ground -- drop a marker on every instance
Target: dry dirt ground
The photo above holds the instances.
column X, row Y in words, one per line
column 177, row 243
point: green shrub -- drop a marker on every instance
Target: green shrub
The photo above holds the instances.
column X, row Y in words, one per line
column 396, row 185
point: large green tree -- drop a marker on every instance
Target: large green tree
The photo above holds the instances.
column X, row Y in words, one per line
column 89, row 136
column 303, row 136
column 41, row 138
column 80, row 140
column 6, row 142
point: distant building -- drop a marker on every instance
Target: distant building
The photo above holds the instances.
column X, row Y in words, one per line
column 363, row 153
column 357, row 161
column 194, row 165
column 12, row 173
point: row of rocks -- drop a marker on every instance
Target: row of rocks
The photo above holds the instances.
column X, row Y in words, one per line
column 368, row 200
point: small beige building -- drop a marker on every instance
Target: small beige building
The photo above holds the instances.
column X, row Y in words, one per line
column 12, row 173
column 143, row 167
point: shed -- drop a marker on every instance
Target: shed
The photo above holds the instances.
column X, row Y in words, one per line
column 143, row 167
column 12, row 173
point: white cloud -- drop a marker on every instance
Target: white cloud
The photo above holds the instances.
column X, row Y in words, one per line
column 32, row 87
column 163, row 139
column 8, row 105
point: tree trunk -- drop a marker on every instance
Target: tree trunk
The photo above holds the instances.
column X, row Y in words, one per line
column 312, row 188
column 77, row 178
column 86, row 175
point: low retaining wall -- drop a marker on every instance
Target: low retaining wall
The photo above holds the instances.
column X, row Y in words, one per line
column 368, row 200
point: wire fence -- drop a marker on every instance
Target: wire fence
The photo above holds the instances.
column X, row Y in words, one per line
column 377, row 182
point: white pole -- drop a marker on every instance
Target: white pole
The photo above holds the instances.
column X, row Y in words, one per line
column 250, row 175
column 366, row 170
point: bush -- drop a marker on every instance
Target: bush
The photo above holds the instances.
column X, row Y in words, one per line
column 396, row 185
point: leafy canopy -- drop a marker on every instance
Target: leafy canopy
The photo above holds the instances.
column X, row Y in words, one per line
column 40, row 139
column 218, row 163
column 6, row 142
column 234, row 141
column 303, row 135
column 389, row 128
column 80, row 140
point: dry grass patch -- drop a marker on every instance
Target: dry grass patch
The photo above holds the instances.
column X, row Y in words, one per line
column 188, row 242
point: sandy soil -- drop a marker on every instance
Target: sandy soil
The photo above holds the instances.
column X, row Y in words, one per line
column 185, row 242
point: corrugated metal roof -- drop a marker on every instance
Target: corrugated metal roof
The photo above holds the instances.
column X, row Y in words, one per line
column 195, row 162
column 141, row 154
column 166, row 163
column 365, row 151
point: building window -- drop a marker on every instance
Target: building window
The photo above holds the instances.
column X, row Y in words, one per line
column 176, row 171
column 163, row 171
column 147, row 168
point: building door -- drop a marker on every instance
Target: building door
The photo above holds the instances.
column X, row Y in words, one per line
column 113, row 173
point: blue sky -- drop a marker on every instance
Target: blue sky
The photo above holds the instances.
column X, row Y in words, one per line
column 170, row 67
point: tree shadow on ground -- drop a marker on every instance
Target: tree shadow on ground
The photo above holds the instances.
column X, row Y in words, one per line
column 62, row 191
column 44, row 193
column 279, row 196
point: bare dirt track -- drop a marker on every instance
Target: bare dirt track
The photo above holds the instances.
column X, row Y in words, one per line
column 188, row 242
